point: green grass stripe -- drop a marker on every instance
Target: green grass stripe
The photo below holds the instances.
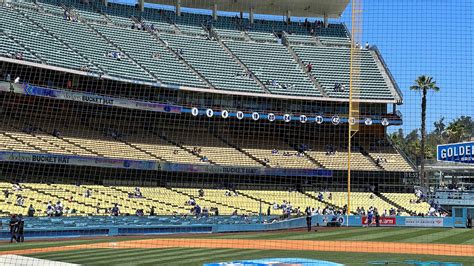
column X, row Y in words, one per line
column 217, row 258
column 356, row 235
column 189, row 255
column 415, row 232
column 138, row 255
column 60, row 243
column 383, row 234
column 461, row 237
column 70, row 253
column 328, row 235
column 431, row 238
column 119, row 255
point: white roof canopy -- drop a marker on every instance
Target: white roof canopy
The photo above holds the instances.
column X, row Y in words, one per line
column 297, row 8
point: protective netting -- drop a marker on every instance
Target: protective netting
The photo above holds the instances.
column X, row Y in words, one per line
column 154, row 134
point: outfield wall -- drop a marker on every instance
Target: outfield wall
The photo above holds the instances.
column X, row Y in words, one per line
column 83, row 227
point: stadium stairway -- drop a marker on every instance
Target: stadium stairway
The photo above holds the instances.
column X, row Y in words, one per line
column 183, row 148
column 187, row 64
column 398, row 206
column 308, row 74
column 219, row 204
column 247, row 69
column 241, row 150
column 170, row 207
column 322, row 201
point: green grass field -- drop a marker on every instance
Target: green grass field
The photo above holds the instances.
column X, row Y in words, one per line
column 198, row 256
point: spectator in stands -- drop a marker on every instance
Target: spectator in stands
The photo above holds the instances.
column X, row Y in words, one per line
column 152, row 211
column 115, row 210
column 87, row 193
column 139, row 213
column 367, row 45
column 268, row 211
column 216, row 211
column 17, row 80
column 58, row 209
column 97, row 208
column 309, row 214
column 191, row 201
column 13, row 228
column 138, row 193
column 7, row 77
column 469, row 220
column 56, row 133
column 377, row 218
column 50, row 209
column 155, row 55
column 204, row 159
column 309, row 67
column 227, row 193
column 337, row 86
column 19, row 200
column 201, row 192
column 234, row 213
column 31, row 211
column 19, row 56
column 205, row 212
column 320, row 196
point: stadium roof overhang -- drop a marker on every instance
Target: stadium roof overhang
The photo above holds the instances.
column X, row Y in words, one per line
column 297, row 8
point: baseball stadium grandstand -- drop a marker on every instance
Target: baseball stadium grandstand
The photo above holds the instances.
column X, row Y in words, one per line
column 190, row 117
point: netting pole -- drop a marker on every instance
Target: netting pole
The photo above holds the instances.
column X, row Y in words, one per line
column 354, row 76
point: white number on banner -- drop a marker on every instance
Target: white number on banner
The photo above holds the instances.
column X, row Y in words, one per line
column 385, row 122
column 303, row 119
column 209, row 112
column 368, row 121
column 255, row 116
column 240, row 115
column 319, row 119
column 195, row 111
column 271, row 117
column 352, row 121
column 336, row 120
column 225, row 114
column 287, row 118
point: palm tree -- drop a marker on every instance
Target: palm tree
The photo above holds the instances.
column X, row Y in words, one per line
column 423, row 84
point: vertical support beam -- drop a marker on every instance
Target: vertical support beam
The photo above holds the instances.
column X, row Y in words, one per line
column 251, row 12
column 214, row 12
column 326, row 20
column 105, row 2
column 141, row 5
column 241, row 14
column 288, row 16
column 178, row 7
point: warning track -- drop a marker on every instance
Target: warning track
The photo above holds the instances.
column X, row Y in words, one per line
column 305, row 245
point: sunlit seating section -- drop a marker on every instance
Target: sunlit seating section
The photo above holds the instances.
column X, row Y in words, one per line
column 331, row 66
column 358, row 200
column 296, row 199
column 409, row 202
column 38, row 42
column 392, row 161
column 275, row 67
column 209, row 59
column 226, row 204
column 152, row 55
column 90, row 45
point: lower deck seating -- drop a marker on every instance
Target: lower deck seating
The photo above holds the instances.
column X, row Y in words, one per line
column 80, row 200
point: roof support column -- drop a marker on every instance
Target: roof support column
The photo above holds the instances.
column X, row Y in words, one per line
column 141, row 5
column 288, row 16
column 326, row 20
column 105, row 2
column 178, row 7
column 251, row 12
column 214, row 12
column 241, row 15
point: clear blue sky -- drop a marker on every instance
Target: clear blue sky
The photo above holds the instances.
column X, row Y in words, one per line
column 433, row 37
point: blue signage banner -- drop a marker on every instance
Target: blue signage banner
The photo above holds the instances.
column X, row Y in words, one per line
column 456, row 152
column 91, row 98
column 64, row 159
